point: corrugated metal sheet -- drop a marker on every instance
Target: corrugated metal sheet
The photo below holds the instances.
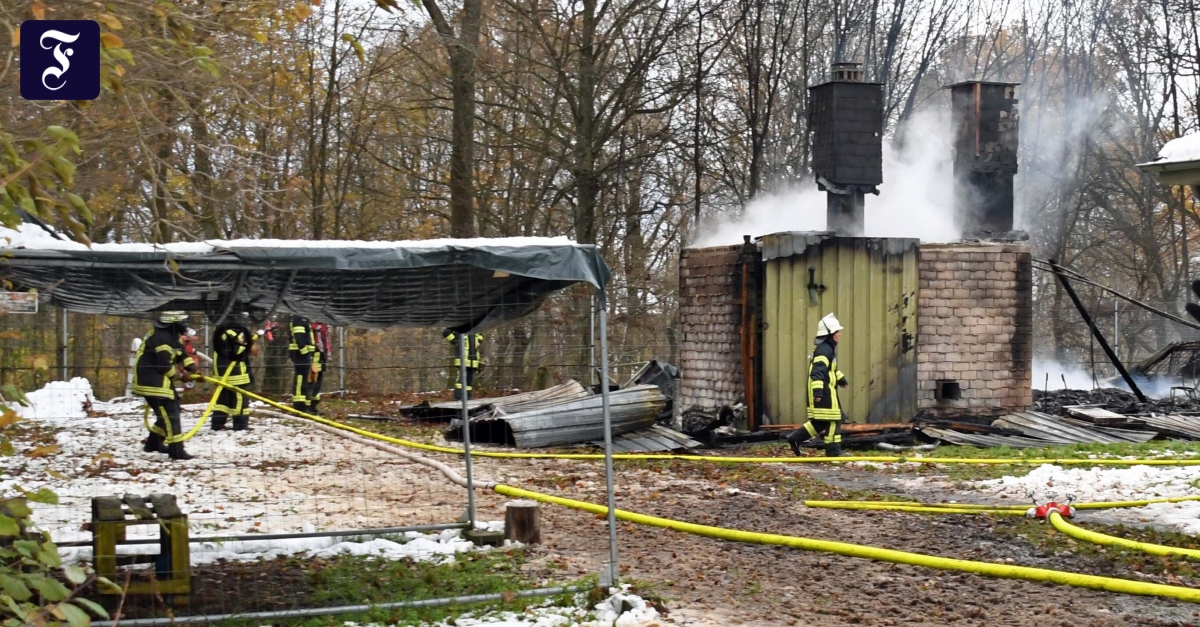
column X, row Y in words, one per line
column 982, row 439
column 656, row 438
column 1040, row 429
column 449, row 410
column 569, row 422
column 1182, row 425
column 1065, row 430
column 871, row 284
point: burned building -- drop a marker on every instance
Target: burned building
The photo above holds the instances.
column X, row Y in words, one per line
column 932, row 330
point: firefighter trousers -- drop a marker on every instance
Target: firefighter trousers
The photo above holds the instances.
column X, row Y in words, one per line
column 230, row 404
column 307, row 390
column 167, row 422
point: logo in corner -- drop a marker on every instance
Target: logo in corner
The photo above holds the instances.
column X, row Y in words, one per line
column 60, row 60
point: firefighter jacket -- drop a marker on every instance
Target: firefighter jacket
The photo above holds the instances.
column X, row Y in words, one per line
column 474, row 341
column 231, row 345
column 823, row 380
column 302, row 349
column 159, row 359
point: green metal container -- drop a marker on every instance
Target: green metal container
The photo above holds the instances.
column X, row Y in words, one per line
column 871, row 285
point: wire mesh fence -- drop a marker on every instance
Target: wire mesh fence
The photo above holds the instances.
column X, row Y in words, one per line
column 270, row 509
column 548, row 347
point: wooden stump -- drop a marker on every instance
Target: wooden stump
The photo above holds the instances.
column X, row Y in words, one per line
column 523, row 522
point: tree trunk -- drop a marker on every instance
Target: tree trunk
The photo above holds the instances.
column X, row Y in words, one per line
column 587, row 180
column 462, row 140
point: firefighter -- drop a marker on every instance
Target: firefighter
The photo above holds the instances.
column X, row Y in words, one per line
column 233, row 345
column 307, row 360
column 824, row 426
column 474, row 361
column 160, row 361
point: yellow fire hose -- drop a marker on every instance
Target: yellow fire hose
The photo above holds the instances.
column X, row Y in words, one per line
column 901, row 506
column 184, row 437
column 982, row 507
column 1078, row 533
column 712, row 458
column 841, row 548
column 1005, row 571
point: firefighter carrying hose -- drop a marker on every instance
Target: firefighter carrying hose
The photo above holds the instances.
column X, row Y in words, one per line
column 160, row 360
column 233, row 344
column 824, row 426
column 474, row 361
column 308, row 361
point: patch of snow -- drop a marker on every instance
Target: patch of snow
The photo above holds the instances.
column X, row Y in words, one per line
column 58, row 400
column 1109, row 484
column 607, row 613
column 280, row 477
column 421, row 547
column 1185, row 148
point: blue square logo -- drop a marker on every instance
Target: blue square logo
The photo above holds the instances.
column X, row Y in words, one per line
column 60, row 60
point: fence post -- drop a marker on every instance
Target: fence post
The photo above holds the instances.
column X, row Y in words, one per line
column 342, row 359
column 62, row 345
column 613, row 575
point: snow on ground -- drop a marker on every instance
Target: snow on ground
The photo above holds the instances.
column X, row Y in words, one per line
column 1135, row 483
column 421, row 547
column 279, row 477
column 621, row 609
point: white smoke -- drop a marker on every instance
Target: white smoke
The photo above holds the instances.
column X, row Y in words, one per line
column 1051, row 375
column 916, row 198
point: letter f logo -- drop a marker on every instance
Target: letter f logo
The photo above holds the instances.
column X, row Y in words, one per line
column 60, row 60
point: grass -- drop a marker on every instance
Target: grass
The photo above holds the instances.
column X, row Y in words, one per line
column 1111, row 560
column 355, row 580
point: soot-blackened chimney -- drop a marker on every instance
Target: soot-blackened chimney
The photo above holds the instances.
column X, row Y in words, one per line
column 985, row 155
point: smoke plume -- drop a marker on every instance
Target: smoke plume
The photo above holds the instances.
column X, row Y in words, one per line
column 916, row 198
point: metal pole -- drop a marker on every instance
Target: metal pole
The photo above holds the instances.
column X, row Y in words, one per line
column 342, row 359
column 257, row 537
column 592, row 342
column 614, row 570
column 62, row 346
column 1116, row 329
column 466, row 428
column 344, row 609
column 1062, row 278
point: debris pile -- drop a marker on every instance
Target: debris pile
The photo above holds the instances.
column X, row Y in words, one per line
column 1112, row 399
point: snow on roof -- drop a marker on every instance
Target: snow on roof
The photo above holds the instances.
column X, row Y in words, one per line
column 1185, row 148
column 34, row 237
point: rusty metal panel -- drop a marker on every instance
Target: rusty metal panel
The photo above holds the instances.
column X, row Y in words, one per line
column 871, row 284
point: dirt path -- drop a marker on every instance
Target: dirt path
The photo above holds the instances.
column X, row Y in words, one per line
column 713, row 582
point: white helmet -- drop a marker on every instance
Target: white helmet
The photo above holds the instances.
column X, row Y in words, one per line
column 828, row 325
column 171, row 317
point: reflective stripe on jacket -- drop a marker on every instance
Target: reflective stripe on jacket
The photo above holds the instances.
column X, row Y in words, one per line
column 473, row 346
column 159, row 358
column 231, row 343
column 823, row 378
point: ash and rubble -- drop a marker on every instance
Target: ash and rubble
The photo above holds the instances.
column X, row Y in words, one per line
column 1113, row 399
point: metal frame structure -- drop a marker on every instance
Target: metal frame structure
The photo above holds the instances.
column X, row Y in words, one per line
column 228, row 274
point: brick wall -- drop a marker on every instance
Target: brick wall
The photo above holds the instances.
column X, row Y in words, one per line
column 710, row 314
column 975, row 317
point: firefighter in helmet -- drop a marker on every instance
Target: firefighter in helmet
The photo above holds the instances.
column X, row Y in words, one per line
column 308, row 362
column 233, row 345
column 160, row 361
column 824, row 426
column 474, row 360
